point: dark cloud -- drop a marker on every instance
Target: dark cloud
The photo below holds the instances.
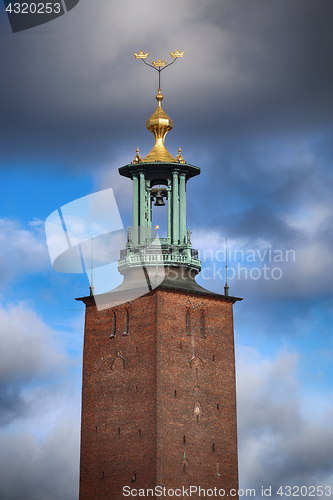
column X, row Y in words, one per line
column 37, row 470
column 279, row 444
column 12, row 405
column 75, row 95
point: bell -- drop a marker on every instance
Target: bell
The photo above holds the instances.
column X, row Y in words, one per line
column 159, row 200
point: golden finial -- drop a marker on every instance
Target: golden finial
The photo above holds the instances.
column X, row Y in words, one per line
column 159, row 63
column 157, row 226
column 177, row 54
column 179, row 157
column 141, row 55
column 137, row 158
column 159, row 125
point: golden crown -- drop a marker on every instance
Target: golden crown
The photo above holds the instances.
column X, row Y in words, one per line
column 141, row 55
column 177, row 54
column 159, row 63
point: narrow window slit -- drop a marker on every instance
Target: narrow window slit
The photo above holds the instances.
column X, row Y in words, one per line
column 126, row 323
column 114, row 326
column 188, row 322
column 175, row 394
column 203, row 325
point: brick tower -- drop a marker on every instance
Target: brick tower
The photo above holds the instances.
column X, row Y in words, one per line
column 159, row 394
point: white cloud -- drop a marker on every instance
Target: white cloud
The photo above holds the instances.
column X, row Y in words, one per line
column 279, row 442
column 39, row 409
column 28, row 346
column 22, row 251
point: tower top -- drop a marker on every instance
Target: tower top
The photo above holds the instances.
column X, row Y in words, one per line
column 159, row 123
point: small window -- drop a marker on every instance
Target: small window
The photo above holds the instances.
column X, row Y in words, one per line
column 114, row 325
column 188, row 322
column 203, row 324
column 126, row 328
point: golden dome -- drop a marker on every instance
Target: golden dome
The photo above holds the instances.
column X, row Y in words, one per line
column 159, row 125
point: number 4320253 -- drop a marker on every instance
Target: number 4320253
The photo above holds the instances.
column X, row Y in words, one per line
column 34, row 8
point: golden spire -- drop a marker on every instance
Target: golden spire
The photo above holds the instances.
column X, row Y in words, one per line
column 159, row 125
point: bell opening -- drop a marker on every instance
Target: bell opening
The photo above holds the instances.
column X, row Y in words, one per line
column 159, row 194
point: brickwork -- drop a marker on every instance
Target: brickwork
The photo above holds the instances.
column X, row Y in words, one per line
column 158, row 402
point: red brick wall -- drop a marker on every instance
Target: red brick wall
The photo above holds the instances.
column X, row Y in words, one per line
column 208, row 379
column 120, row 402
column 130, row 396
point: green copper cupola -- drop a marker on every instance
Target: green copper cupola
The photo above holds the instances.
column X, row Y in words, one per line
column 159, row 179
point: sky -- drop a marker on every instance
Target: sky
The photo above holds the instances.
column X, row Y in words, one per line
column 251, row 103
